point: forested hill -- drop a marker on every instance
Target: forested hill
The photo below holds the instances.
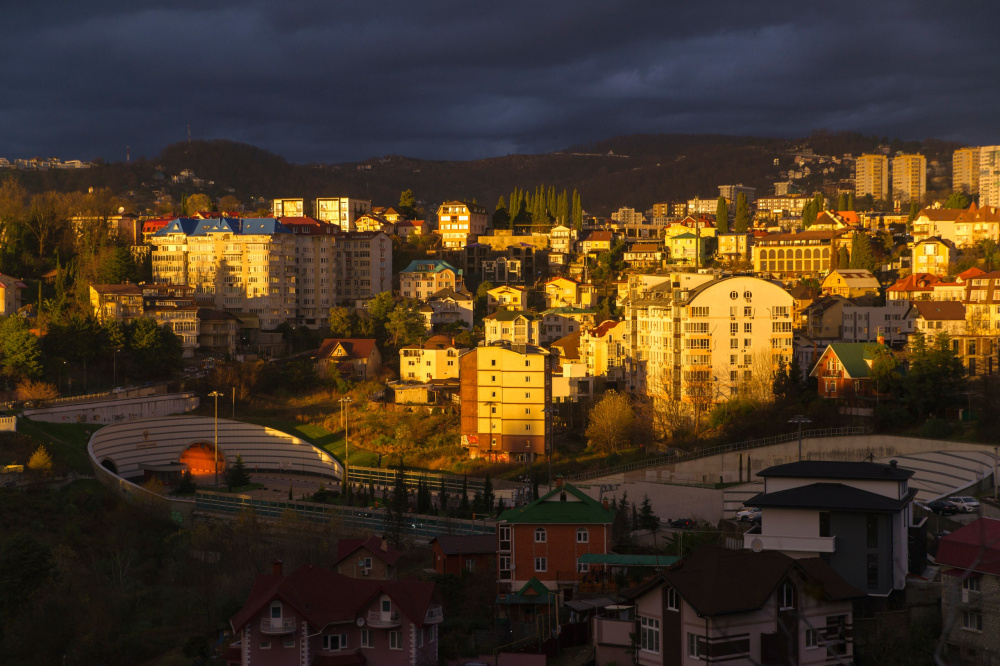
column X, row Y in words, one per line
column 635, row 170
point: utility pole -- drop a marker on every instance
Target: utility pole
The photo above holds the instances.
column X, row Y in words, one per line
column 799, row 419
column 216, row 395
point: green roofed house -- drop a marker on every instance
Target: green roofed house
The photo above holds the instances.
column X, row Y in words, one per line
column 844, row 369
column 544, row 542
column 424, row 277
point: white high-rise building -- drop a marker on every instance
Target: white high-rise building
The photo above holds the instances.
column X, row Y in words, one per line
column 965, row 170
column 989, row 176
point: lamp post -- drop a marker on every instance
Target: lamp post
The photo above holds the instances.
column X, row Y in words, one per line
column 216, row 395
column 799, row 419
column 346, row 400
column 548, row 411
column 115, row 364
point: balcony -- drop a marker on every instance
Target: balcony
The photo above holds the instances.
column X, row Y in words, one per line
column 785, row 543
column 435, row 615
column 378, row 619
column 277, row 625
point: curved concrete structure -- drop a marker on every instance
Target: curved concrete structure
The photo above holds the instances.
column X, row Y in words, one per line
column 163, row 439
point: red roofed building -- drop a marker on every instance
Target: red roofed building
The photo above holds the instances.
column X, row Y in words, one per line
column 472, row 553
column 316, row 617
column 969, row 559
column 359, row 358
column 367, row 558
column 914, row 287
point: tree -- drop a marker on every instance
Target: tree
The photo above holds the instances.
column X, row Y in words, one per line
column 610, row 422
column 862, row 255
column 742, row 213
column 501, row 216
column 25, row 565
column 230, row 204
column 957, row 200
column 398, row 507
column 408, row 204
column 914, row 211
column 481, row 303
column 405, row 325
column 935, row 379
column 809, row 213
column 46, row 219
column 722, row 216
column 237, row 476
column 20, row 351
column 30, row 389
column 647, row 519
column 40, row 460
column 464, row 510
column 197, row 203
column 850, row 201
column 843, row 257
column 443, row 497
column 489, row 499
column 577, row 212
column 424, row 501
column 187, row 485
column 842, row 201
column 343, row 322
column 156, row 348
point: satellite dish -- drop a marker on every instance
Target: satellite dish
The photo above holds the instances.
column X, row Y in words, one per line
column 121, row 209
column 360, row 622
column 756, row 545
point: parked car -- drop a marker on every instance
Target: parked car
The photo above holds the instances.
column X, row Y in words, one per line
column 965, row 503
column 751, row 515
column 682, row 523
column 943, row 507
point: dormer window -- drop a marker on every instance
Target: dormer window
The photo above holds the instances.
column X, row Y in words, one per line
column 787, row 596
column 276, row 610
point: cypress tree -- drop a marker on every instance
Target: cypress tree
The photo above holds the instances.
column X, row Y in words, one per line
column 577, row 211
column 842, row 202
column 722, row 216
column 551, row 201
column 562, row 208
column 850, row 202
column 501, row 216
column 862, row 255
column 809, row 213
column 843, row 257
column 742, row 213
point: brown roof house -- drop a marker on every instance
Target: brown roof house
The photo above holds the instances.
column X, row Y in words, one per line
column 356, row 358
column 743, row 607
column 367, row 558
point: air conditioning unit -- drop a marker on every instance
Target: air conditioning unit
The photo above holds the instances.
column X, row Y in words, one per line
column 365, row 572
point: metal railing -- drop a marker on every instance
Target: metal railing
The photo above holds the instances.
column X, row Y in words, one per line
column 380, row 619
column 353, row 518
column 386, row 478
column 716, row 450
column 277, row 625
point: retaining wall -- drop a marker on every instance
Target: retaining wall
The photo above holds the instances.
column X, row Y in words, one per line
column 115, row 409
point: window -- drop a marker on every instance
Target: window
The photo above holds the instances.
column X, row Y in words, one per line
column 335, row 642
column 386, row 605
column 673, row 600
column 734, row 343
column 747, row 311
column 787, row 596
column 748, row 327
column 582, row 535
column 527, row 378
column 541, row 564
column 971, row 584
column 288, row 643
column 649, row 634
column 836, row 635
column 812, row 639
column 504, row 538
column 582, row 567
column 276, row 610
column 493, row 362
column 420, row 638
column 470, row 565
column 395, row 640
column 367, row 640
column 265, row 645
column 541, row 536
column 972, row 620
column 695, row 646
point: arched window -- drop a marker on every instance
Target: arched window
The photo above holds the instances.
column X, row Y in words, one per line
column 540, row 535
column 781, row 254
column 582, row 535
column 772, row 254
column 826, row 253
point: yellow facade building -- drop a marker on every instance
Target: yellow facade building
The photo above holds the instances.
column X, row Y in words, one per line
column 567, row 292
column 506, row 297
column 871, row 176
column 460, row 223
column 909, row 177
column 437, row 358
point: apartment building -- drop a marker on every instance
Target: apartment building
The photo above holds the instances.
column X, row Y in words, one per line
column 964, row 228
column 869, row 323
column 701, row 345
column 341, row 211
column 437, row 358
column 514, row 326
column 218, row 332
column 604, row 349
column 424, row 277
column 563, row 291
column 645, row 255
column 965, row 170
column 174, row 306
column 796, row 256
column 506, row 297
column 505, row 389
column 115, row 302
column 461, row 223
column 558, row 322
column 363, row 268
column 989, row 176
column 909, row 177
column 288, row 208
column 238, row 266
column 447, row 306
column 788, row 205
column 732, row 192
column 562, row 239
column 871, row 176
column 627, row 215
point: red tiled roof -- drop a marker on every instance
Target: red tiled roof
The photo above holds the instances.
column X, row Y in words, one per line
column 940, row 310
column 345, row 547
column 971, row 273
column 974, row 547
column 915, row 282
column 602, row 329
column 357, row 348
column 320, row 596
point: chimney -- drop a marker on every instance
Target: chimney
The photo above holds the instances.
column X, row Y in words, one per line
column 559, row 481
column 276, row 568
column 605, row 503
column 384, row 545
column 893, row 463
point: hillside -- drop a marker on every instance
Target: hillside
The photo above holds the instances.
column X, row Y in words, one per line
column 635, row 170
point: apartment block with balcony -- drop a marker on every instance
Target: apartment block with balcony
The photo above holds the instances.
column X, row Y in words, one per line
column 890, row 322
column 506, row 297
column 563, row 291
column 518, row 328
column 604, row 350
column 965, row 170
column 288, row 208
column 461, row 223
column 363, row 267
column 505, row 389
column 115, row 302
column 933, row 255
column 315, row 616
column 857, row 516
column 969, row 559
column 795, row 256
column 174, row 306
column 989, row 176
column 740, row 607
column 909, row 178
column 435, row 359
column 341, row 211
column 700, row 345
column 871, row 176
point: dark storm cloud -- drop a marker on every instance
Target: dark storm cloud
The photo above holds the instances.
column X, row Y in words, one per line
column 332, row 81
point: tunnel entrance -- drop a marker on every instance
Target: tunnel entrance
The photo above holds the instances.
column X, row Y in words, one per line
column 200, row 458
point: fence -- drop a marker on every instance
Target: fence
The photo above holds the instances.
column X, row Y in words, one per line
column 8, row 423
column 716, row 450
column 353, row 518
column 386, row 478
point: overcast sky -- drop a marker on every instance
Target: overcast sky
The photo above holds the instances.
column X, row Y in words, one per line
column 338, row 81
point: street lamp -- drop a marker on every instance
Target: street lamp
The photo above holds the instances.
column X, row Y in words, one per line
column 548, row 411
column 798, row 419
column 216, row 395
column 115, row 363
column 346, row 400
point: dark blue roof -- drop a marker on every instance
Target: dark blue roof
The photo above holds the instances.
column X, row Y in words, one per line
column 192, row 227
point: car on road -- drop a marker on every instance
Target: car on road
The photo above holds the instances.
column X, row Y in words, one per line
column 682, row 523
column 943, row 507
column 751, row 515
column 965, row 503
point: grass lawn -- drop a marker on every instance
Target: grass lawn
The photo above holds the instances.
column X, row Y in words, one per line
column 66, row 442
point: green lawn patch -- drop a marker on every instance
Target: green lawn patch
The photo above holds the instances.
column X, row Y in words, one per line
column 66, row 442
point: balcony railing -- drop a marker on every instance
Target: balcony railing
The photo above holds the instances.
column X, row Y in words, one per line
column 434, row 615
column 380, row 619
column 277, row 625
column 803, row 544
